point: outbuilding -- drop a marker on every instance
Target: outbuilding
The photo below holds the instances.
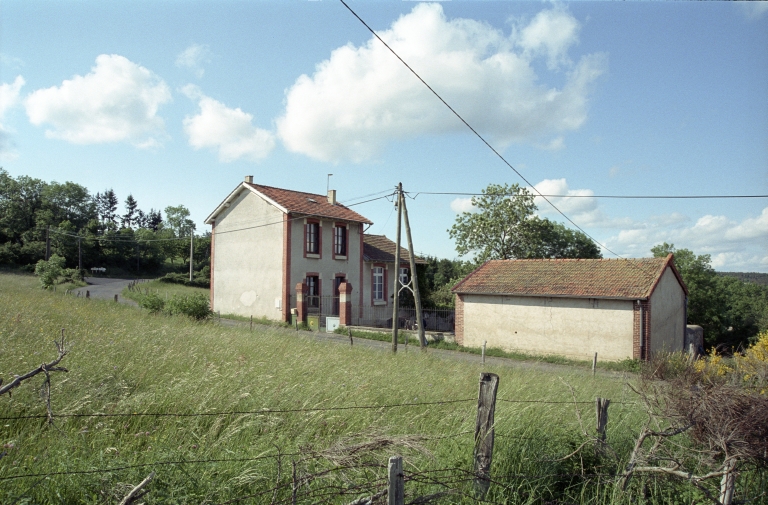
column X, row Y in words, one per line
column 618, row 308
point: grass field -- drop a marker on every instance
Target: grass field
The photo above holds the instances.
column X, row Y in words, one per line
column 225, row 415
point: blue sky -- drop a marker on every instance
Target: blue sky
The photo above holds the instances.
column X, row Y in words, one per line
column 175, row 101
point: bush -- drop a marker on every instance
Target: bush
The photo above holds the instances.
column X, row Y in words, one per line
column 49, row 271
column 199, row 279
column 195, row 306
column 152, row 302
column 72, row 275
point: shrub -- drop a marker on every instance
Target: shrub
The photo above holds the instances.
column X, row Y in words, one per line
column 72, row 275
column 49, row 271
column 199, row 280
column 195, row 306
column 152, row 302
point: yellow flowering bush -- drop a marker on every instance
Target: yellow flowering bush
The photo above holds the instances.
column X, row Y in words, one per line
column 748, row 369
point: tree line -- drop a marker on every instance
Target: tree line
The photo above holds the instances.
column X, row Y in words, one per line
column 39, row 218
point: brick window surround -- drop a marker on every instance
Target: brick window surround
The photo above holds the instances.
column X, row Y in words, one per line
column 340, row 240
column 313, row 239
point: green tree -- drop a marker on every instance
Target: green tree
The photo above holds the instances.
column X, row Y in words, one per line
column 502, row 225
column 496, row 230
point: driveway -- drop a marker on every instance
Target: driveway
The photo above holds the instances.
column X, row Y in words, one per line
column 104, row 288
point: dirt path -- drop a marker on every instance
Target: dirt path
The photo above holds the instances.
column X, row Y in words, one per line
column 104, row 288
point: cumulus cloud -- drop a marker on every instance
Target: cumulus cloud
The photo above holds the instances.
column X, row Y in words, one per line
column 193, row 58
column 117, row 101
column 361, row 98
column 229, row 131
column 9, row 98
column 459, row 205
column 575, row 202
column 733, row 245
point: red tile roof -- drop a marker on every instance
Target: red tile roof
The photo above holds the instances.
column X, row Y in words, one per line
column 310, row 204
column 378, row 248
column 583, row 278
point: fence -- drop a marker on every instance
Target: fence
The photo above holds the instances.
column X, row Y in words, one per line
column 380, row 316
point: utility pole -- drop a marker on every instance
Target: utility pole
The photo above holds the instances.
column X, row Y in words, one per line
column 191, row 238
column 47, row 242
column 80, row 253
column 396, row 275
column 414, row 277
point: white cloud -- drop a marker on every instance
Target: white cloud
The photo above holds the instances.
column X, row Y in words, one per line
column 9, row 98
column 361, row 98
column 193, row 58
column 754, row 10
column 459, row 205
column 577, row 202
column 733, row 245
column 117, row 101
column 230, row 131
column 551, row 33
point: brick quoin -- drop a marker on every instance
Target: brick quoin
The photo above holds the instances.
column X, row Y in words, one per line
column 301, row 302
column 459, row 330
column 345, row 304
column 636, row 348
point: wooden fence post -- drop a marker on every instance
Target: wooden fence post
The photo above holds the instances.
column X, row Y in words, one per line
column 396, row 489
column 349, row 332
column 602, row 421
column 87, row 293
column 251, row 322
column 484, row 342
column 594, row 364
column 484, row 431
column 115, row 298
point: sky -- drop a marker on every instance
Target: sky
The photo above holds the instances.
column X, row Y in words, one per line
column 175, row 102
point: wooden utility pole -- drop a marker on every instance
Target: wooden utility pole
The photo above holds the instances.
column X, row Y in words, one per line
column 47, row 242
column 414, row 277
column 396, row 283
column 79, row 253
column 484, row 432
column 191, row 238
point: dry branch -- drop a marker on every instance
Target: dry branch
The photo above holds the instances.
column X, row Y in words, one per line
column 44, row 368
column 136, row 492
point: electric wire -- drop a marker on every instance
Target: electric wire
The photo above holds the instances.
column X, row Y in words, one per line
column 497, row 153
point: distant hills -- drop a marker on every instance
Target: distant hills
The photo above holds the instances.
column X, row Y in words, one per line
column 754, row 277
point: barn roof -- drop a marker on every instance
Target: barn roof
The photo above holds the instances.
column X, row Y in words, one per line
column 378, row 248
column 633, row 278
column 294, row 202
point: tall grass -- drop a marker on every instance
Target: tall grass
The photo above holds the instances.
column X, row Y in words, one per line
column 126, row 361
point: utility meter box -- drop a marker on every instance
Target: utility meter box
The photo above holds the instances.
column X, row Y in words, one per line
column 331, row 323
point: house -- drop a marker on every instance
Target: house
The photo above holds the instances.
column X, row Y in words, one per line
column 618, row 308
column 265, row 240
column 379, row 266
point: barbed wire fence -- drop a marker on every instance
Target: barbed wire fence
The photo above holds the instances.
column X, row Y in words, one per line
column 333, row 475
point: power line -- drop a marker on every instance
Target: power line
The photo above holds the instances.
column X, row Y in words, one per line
column 636, row 197
column 498, row 154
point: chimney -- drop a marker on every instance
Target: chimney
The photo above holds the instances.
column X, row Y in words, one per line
column 249, row 179
column 332, row 196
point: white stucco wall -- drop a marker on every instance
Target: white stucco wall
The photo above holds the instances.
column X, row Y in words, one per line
column 248, row 264
column 327, row 267
column 667, row 314
column 571, row 327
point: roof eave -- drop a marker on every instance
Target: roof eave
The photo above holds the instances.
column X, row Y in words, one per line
column 593, row 297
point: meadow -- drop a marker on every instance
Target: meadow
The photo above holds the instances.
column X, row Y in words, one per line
column 228, row 415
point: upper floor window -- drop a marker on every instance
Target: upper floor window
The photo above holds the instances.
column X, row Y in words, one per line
column 312, row 238
column 340, row 240
column 378, row 284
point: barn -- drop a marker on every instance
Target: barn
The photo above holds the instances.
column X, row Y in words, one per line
column 618, row 308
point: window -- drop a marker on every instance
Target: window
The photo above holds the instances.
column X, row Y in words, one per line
column 312, row 238
column 313, row 291
column 378, row 284
column 404, row 276
column 340, row 240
